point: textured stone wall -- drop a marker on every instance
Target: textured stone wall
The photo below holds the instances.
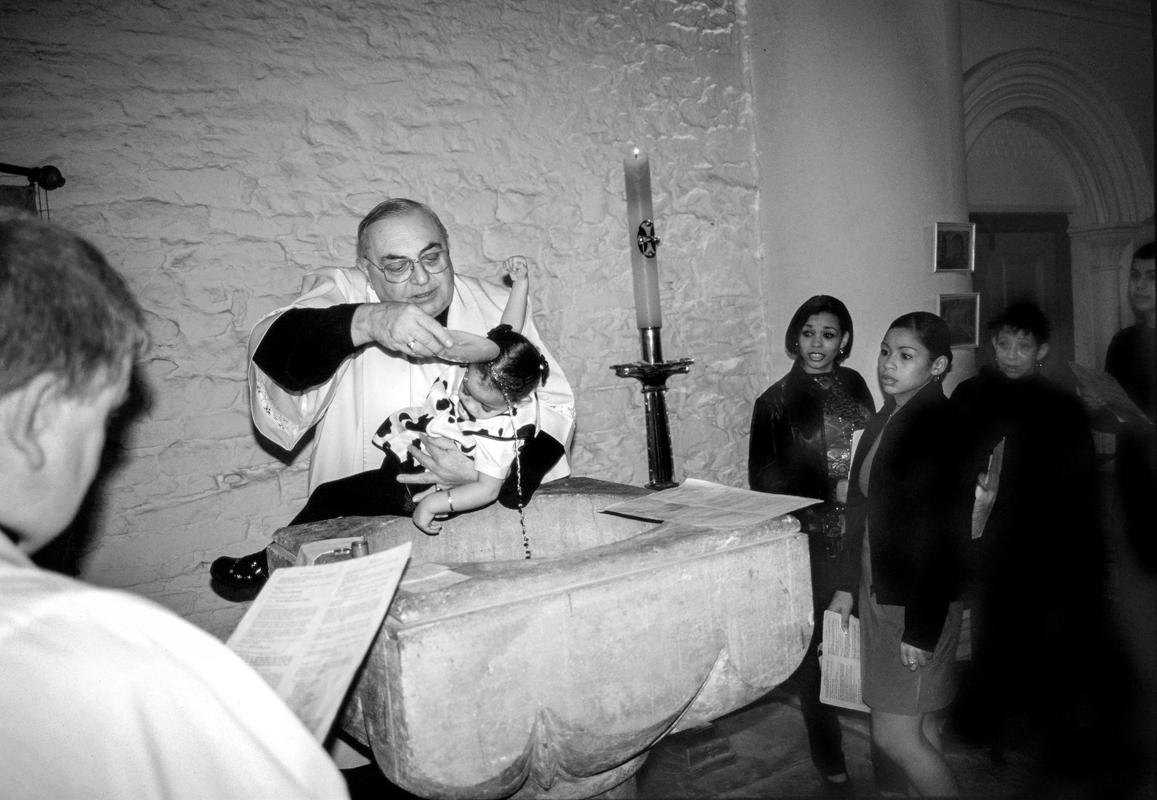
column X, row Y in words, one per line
column 220, row 151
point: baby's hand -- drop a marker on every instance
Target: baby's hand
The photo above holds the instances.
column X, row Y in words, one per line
column 517, row 267
column 424, row 518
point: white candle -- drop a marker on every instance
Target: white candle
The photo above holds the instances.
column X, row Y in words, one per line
column 637, row 171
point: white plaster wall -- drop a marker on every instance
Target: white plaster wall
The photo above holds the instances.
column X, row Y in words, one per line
column 219, row 151
column 1021, row 162
column 1013, row 167
column 860, row 143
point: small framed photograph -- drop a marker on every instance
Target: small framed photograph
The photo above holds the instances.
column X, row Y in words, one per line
column 962, row 313
column 955, row 247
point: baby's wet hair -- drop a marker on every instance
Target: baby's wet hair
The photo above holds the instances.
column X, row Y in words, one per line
column 520, row 367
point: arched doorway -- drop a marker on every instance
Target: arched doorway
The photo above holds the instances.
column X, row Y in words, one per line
column 1106, row 194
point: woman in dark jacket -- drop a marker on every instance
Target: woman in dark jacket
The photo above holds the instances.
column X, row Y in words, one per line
column 909, row 509
column 801, row 437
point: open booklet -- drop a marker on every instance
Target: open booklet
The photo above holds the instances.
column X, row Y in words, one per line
column 841, row 667
column 840, row 663
column 986, row 489
column 308, row 631
column 710, row 505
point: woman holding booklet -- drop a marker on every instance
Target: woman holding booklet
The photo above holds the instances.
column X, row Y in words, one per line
column 908, row 511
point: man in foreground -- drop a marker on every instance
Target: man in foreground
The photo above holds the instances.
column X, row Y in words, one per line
column 104, row 694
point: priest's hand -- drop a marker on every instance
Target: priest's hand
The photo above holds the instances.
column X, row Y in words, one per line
column 401, row 327
column 442, row 462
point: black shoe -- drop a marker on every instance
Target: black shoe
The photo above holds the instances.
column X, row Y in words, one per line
column 246, row 572
column 367, row 782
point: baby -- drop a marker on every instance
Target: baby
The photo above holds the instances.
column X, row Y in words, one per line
column 486, row 408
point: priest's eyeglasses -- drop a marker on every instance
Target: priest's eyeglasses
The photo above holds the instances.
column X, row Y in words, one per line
column 399, row 270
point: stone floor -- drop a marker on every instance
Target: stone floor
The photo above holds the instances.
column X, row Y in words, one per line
column 761, row 751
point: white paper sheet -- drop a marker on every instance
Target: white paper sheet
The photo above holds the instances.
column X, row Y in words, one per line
column 710, row 505
column 309, row 630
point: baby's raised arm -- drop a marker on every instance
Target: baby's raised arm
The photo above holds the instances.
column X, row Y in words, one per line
column 518, row 268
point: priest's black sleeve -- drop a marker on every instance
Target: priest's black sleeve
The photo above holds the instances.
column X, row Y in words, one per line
column 304, row 346
column 536, row 458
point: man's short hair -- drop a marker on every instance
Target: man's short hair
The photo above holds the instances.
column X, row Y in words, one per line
column 396, row 207
column 1144, row 252
column 63, row 309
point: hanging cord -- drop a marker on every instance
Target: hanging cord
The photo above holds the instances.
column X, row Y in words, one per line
column 518, row 483
column 521, row 513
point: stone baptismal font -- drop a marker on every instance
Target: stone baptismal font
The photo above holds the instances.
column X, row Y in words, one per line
column 495, row 675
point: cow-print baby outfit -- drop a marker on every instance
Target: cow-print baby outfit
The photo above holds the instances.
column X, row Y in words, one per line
column 491, row 443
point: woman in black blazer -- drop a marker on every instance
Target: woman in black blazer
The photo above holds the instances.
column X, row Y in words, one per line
column 909, row 505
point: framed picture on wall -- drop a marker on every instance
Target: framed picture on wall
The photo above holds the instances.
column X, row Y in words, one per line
column 955, row 247
column 962, row 313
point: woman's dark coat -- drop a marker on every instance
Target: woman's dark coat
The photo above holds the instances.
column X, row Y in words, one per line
column 918, row 514
column 787, row 453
